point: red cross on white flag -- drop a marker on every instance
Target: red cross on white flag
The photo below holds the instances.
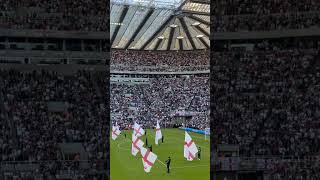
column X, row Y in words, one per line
column 158, row 133
column 115, row 132
column 190, row 148
column 137, row 130
column 136, row 145
column 148, row 159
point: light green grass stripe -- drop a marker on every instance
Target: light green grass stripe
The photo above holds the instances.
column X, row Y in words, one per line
column 126, row 166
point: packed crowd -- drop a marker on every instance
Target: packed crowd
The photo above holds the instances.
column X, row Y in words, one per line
column 54, row 22
column 36, row 130
column 199, row 121
column 266, row 22
column 123, row 68
column 275, row 168
column 6, row 143
column 268, row 101
column 295, row 170
column 159, row 100
column 238, row 15
column 234, row 7
column 82, row 7
column 156, row 58
column 83, row 15
column 53, row 170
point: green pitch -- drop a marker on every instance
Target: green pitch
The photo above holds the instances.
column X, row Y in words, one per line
column 123, row 165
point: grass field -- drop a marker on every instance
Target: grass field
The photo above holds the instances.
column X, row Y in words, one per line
column 123, row 165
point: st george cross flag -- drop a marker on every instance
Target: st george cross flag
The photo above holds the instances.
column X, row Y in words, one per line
column 158, row 133
column 190, row 148
column 117, row 126
column 137, row 130
column 148, row 159
column 136, row 145
column 115, row 132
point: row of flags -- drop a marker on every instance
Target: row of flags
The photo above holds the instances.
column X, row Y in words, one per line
column 148, row 157
column 115, row 131
column 137, row 131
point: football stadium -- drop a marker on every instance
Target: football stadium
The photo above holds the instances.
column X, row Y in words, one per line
column 53, row 85
column 265, row 90
column 159, row 89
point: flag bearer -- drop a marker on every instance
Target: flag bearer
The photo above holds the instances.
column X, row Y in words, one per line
column 168, row 161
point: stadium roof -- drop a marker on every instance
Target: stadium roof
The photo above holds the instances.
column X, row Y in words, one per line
column 160, row 24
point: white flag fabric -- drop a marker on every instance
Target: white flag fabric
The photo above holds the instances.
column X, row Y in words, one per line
column 115, row 132
column 136, row 145
column 137, row 130
column 158, row 133
column 190, row 148
column 148, row 159
column 117, row 126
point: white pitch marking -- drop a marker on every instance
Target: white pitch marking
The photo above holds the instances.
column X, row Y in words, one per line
column 189, row 166
column 162, row 163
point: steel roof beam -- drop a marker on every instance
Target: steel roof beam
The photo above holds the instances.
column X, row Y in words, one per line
column 172, row 29
column 204, row 42
column 201, row 1
column 186, row 30
column 139, row 28
column 199, row 20
column 189, row 12
column 156, row 33
column 158, row 44
column 181, row 44
column 123, row 15
column 202, row 30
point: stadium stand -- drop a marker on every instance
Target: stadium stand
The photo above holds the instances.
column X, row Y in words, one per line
column 83, row 15
column 266, row 89
column 266, row 15
column 53, row 125
column 159, row 98
column 159, row 71
column 53, row 67
column 154, row 58
column 163, row 56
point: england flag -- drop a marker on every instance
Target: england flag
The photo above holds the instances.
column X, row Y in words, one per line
column 136, row 145
column 190, row 148
column 148, row 159
column 137, row 130
column 115, row 132
column 158, row 133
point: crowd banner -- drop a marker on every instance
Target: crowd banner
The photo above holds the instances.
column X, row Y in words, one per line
column 195, row 130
